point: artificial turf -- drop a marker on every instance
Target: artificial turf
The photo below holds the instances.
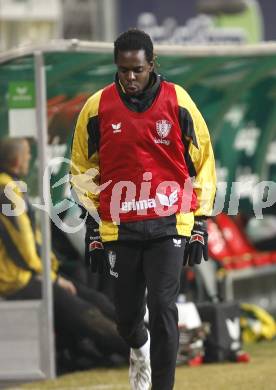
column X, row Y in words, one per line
column 258, row 374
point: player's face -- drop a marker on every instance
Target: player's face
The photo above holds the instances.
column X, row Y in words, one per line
column 24, row 158
column 133, row 70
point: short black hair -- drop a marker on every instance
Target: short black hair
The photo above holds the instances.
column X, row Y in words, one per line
column 134, row 39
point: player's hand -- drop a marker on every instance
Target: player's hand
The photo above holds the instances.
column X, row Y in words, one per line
column 67, row 285
column 94, row 250
column 197, row 246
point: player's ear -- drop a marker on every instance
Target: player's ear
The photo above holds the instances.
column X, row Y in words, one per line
column 154, row 62
column 151, row 64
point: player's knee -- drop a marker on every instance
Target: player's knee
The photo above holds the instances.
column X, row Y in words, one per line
column 133, row 336
column 159, row 304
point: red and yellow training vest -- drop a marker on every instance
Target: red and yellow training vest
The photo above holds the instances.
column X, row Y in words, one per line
column 141, row 159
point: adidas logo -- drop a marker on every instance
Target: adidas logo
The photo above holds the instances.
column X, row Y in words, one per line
column 117, row 127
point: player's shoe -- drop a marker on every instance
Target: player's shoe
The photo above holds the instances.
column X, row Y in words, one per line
column 139, row 368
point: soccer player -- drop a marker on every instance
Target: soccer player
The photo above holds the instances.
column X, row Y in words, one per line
column 81, row 314
column 143, row 168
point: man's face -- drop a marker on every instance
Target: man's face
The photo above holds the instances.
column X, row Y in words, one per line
column 24, row 158
column 133, row 70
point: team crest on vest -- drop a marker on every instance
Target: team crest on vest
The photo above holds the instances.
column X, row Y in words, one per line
column 163, row 128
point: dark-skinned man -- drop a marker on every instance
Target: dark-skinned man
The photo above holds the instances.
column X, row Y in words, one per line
column 143, row 168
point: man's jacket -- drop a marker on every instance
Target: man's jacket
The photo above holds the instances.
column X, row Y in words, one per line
column 147, row 171
column 19, row 239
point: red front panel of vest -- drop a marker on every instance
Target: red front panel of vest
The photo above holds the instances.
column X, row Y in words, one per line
column 142, row 159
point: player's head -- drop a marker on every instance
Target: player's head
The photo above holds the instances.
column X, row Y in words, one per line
column 134, row 57
column 15, row 156
column 134, row 40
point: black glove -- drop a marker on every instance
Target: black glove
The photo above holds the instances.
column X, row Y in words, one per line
column 94, row 250
column 197, row 246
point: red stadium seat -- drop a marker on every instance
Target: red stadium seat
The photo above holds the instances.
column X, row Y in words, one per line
column 217, row 247
column 242, row 251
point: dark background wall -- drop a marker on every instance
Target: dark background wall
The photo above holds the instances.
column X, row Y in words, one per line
column 182, row 10
column 269, row 12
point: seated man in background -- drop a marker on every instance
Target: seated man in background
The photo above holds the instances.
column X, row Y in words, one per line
column 79, row 312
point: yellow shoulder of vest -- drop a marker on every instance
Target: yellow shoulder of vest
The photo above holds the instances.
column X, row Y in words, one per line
column 201, row 155
column 184, row 99
column 5, row 179
column 81, row 162
column 91, row 107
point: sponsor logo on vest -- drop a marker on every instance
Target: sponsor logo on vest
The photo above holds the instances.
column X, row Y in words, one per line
column 164, row 200
column 112, row 261
column 117, row 127
column 168, row 200
column 139, row 205
column 162, row 141
column 163, row 128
